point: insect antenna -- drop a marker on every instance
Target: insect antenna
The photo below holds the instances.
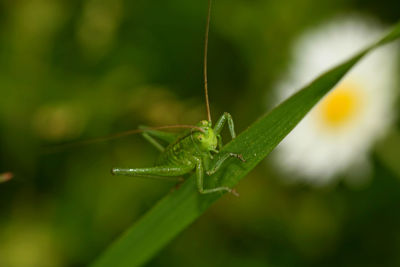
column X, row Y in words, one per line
column 59, row 148
column 205, row 60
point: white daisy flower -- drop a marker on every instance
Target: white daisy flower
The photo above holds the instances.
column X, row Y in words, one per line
column 336, row 136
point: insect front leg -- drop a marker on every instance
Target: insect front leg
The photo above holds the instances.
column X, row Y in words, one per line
column 226, row 117
column 200, row 184
column 220, row 161
column 220, row 144
column 163, row 171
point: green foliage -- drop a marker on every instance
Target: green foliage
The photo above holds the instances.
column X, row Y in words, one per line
column 181, row 207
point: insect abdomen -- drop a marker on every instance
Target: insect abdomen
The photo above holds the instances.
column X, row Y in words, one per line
column 179, row 153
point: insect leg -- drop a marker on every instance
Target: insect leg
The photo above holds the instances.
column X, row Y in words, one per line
column 200, row 185
column 220, row 144
column 226, row 117
column 163, row 171
column 166, row 137
column 220, row 161
column 153, row 141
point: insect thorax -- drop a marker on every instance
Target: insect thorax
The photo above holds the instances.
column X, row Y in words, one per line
column 190, row 145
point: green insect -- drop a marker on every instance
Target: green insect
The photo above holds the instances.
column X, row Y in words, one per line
column 190, row 150
column 186, row 152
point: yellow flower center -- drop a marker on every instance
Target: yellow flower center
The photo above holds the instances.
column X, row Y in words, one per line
column 341, row 105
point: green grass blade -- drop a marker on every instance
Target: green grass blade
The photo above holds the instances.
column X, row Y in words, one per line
column 178, row 209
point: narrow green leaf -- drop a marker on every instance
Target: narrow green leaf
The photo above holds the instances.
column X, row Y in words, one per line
column 178, row 209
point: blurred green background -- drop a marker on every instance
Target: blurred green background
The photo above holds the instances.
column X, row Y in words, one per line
column 82, row 69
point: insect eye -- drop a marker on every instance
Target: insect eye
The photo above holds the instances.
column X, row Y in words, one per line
column 200, row 138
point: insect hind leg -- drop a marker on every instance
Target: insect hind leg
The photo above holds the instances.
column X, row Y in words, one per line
column 159, row 172
column 164, row 136
column 151, row 135
column 153, row 141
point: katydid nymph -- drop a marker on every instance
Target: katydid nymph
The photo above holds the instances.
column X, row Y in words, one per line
column 188, row 151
